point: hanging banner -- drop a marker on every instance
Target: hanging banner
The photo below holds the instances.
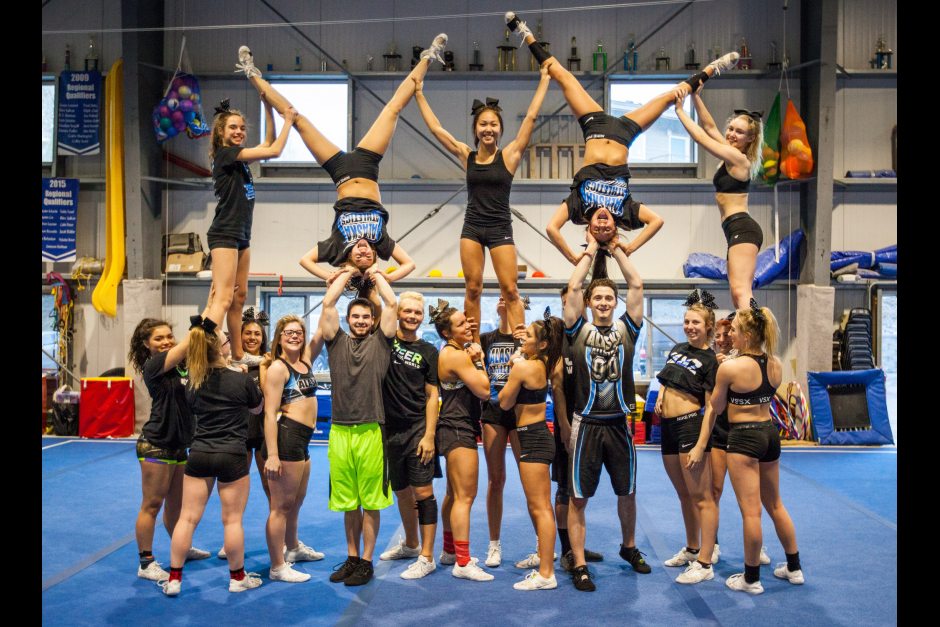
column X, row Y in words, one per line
column 79, row 113
column 59, row 216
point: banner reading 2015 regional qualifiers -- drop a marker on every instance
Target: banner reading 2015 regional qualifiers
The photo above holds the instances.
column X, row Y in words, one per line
column 59, row 216
column 79, row 113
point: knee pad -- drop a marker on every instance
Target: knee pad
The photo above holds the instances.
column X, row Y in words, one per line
column 561, row 496
column 427, row 511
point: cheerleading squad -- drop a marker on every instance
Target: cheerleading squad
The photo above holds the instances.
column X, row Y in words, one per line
column 399, row 405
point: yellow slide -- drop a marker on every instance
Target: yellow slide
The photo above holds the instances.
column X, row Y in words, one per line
column 104, row 298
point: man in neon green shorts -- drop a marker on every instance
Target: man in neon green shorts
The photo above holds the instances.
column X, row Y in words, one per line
column 358, row 360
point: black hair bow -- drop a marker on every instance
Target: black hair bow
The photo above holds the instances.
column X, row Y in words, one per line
column 757, row 313
column 525, row 302
column 547, row 314
column 491, row 103
column 249, row 316
column 706, row 299
column 223, row 107
column 198, row 321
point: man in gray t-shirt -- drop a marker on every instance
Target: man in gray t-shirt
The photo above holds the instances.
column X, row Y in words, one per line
column 358, row 361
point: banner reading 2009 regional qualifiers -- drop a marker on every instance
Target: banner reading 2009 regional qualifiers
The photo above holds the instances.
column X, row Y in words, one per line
column 59, row 217
column 79, row 113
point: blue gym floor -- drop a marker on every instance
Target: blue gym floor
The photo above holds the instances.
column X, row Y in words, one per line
column 843, row 502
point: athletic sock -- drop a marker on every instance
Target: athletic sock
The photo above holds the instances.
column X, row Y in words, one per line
column 176, row 574
column 751, row 573
column 449, row 542
column 237, row 575
column 692, row 551
column 146, row 557
column 703, row 564
column 793, row 561
column 463, row 552
column 565, row 542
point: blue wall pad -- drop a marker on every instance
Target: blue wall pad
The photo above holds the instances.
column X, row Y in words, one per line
column 875, row 430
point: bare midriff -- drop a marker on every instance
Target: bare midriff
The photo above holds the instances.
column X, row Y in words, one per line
column 678, row 403
column 730, row 204
column 605, row 151
column 359, row 188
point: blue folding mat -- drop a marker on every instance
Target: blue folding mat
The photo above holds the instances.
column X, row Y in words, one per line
column 849, row 407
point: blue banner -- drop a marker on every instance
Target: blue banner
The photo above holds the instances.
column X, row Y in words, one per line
column 79, row 113
column 59, row 217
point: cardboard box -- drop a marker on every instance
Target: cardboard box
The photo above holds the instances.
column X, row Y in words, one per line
column 185, row 264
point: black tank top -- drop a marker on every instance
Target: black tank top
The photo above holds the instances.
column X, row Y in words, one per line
column 727, row 184
column 488, row 186
column 763, row 394
column 458, row 403
column 531, row 397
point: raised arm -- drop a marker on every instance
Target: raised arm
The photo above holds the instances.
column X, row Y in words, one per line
column 574, row 304
column 314, row 346
column 177, row 354
column 448, row 141
column 388, row 321
column 269, row 151
column 329, row 319
column 634, row 298
column 705, row 118
column 269, row 133
column 512, row 153
column 406, row 264
column 717, row 147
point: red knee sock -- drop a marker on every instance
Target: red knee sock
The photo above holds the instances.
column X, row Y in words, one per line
column 463, row 552
column 448, row 542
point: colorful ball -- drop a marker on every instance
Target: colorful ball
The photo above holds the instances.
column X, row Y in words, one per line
column 173, row 104
column 189, row 116
column 390, row 269
column 164, row 111
column 176, row 116
column 165, row 123
column 435, row 273
column 538, row 274
column 195, row 98
column 186, row 105
column 171, row 132
column 184, row 92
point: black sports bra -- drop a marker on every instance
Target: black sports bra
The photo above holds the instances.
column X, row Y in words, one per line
column 531, row 397
column 727, row 184
column 763, row 394
column 299, row 386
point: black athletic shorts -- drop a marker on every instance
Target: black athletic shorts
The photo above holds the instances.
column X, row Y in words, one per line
column 604, row 186
column 454, row 434
column 404, row 466
column 493, row 414
column 226, row 467
column 536, row 443
column 720, row 432
column 599, row 443
column 488, row 236
column 759, row 440
column 292, row 440
column 147, row 452
column 741, row 228
column 600, row 125
column 680, row 434
column 226, row 241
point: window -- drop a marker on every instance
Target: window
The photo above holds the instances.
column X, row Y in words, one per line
column 667, row 314
column 325, row 102
column 666, row 141
column 50, row 336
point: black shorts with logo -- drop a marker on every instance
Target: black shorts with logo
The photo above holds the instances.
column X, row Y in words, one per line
column 596, row 443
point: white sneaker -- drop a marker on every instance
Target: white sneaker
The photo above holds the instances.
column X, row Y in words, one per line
column 764, row 558
column 532, row 560
column 246, row 63
column 517, row 26
column 248, row 360
column 494, row 554
column 696, row 573
column 724, row 63
column 716, row 555
column 153, row 572
column 446, row 559
column 251, row 580
column 795, row 576
column 196, row 554
column 436, row 48
column 171, row 588
column 400, row 552
column 302, row 553
column 221, row 554
column 683, row 557
column 534, row 581
column 736, row 582
column 471, row 571
column 287, row 574
column 422, row 567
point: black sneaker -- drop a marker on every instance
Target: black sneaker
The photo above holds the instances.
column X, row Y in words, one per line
column 567, row 561
column 592, row 556
column 581, row 577
column 344, row 569
column 635, row 557
column 361, row 575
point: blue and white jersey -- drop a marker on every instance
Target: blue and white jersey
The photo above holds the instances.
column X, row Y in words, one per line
column 603, row 367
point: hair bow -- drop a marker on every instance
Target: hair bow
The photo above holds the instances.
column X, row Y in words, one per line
column 756, row 312
column 706, row 299
column 525, row 302
column 198, row 321
column 754, row 115
column 223, row 107
column 491, row 103
column 730, row 316
column 547, row 314
column 434, row 312
column 250, row 316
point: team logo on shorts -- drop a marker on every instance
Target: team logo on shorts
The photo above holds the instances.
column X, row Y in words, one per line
column 357, row 225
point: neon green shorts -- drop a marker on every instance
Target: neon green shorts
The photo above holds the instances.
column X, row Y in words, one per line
column 358, row 470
